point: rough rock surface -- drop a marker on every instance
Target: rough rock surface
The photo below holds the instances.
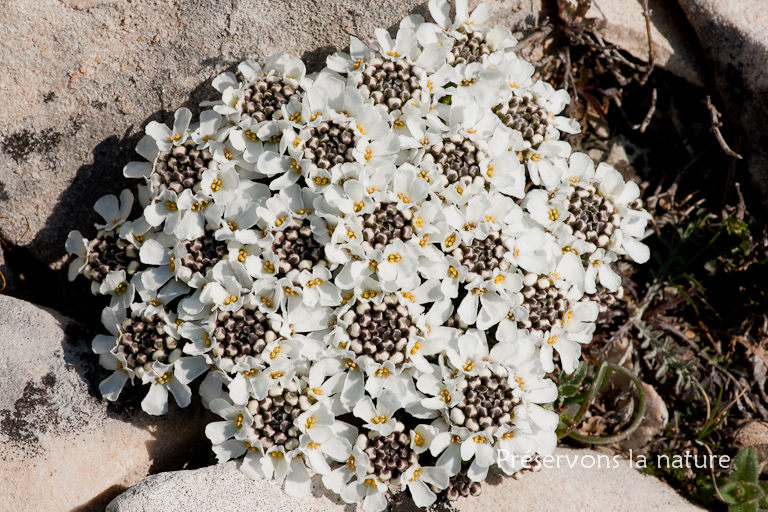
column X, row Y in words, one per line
column 223, row 488
column 754, row 433
column 61, row 447
column 81, row 78
column 734, row 36
column 654, row 421
column 622, row 23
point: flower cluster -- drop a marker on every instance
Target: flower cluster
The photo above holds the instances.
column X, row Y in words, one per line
column 371, row 269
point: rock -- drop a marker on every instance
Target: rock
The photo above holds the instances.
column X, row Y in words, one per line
column 654, row 421
column 223, row 488
column 622, row 22
column 518, row 14
column 61, row 447
column 220, row 488
column 734, row 36
column 80, row 79
column 754, row 433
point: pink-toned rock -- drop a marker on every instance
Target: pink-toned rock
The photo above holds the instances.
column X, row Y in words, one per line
column 577, row 486
column 734, row 36
column 62, row 448
column 622, row 23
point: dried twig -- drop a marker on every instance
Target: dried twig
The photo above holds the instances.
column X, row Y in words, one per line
column 568, row 74
column 712, row 471
column 9, row 247
column 716, row 124
column 651, row 51
column 741, row 208
column 538, row 35
column 642, row 126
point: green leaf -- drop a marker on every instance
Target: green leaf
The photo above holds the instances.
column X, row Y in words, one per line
column 763, row 503
column 569, row 384
column 747, row 507
column 733, row 493
column 568, row 390
column 746, row 466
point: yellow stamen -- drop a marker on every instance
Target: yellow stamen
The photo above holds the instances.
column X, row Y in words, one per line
column 164, row 378
column 376, row 420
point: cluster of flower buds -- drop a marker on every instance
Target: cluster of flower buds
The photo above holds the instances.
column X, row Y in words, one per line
column 371, row 269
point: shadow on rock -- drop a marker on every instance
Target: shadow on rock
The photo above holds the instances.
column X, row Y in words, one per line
column 177, row 439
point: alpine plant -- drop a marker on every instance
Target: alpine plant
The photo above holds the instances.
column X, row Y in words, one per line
column 370, row 270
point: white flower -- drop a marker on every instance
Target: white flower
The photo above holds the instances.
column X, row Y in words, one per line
column 77, row 245
column 379, row 417
column 163, row 380
column 449, row 444
column 515, row 442
column 478, row 447
column 244, row 385
column 397, row 269
column 555, row 102
column 526, row 251
column 442, row 393
column 403, row 46
column 221, row 185
column 386, row 377
column 530, row 384
column 153, row 300
column 153, row 252
column 318, row 287
column 115, row 212
column 117, row 285
column 546, row 163
column 237, row 422
column 569, row 351
column 486, row 296
column 111, row 387
column 416, row 478
column 316, row 422
column 165, row 138
column 336, row 447
column 359, row 54
column 473, row 349
column 165, row 209
column 599, row 269
column 450, row 222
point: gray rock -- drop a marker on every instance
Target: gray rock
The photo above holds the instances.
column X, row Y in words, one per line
column 220, row 488
column 223, row 488
column 622, row 22
column 753, row 433
column 81, row 78
column 61, row 446
column 734, row 36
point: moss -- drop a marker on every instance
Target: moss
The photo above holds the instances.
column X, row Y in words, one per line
column 21, row 144
column 32, row 414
